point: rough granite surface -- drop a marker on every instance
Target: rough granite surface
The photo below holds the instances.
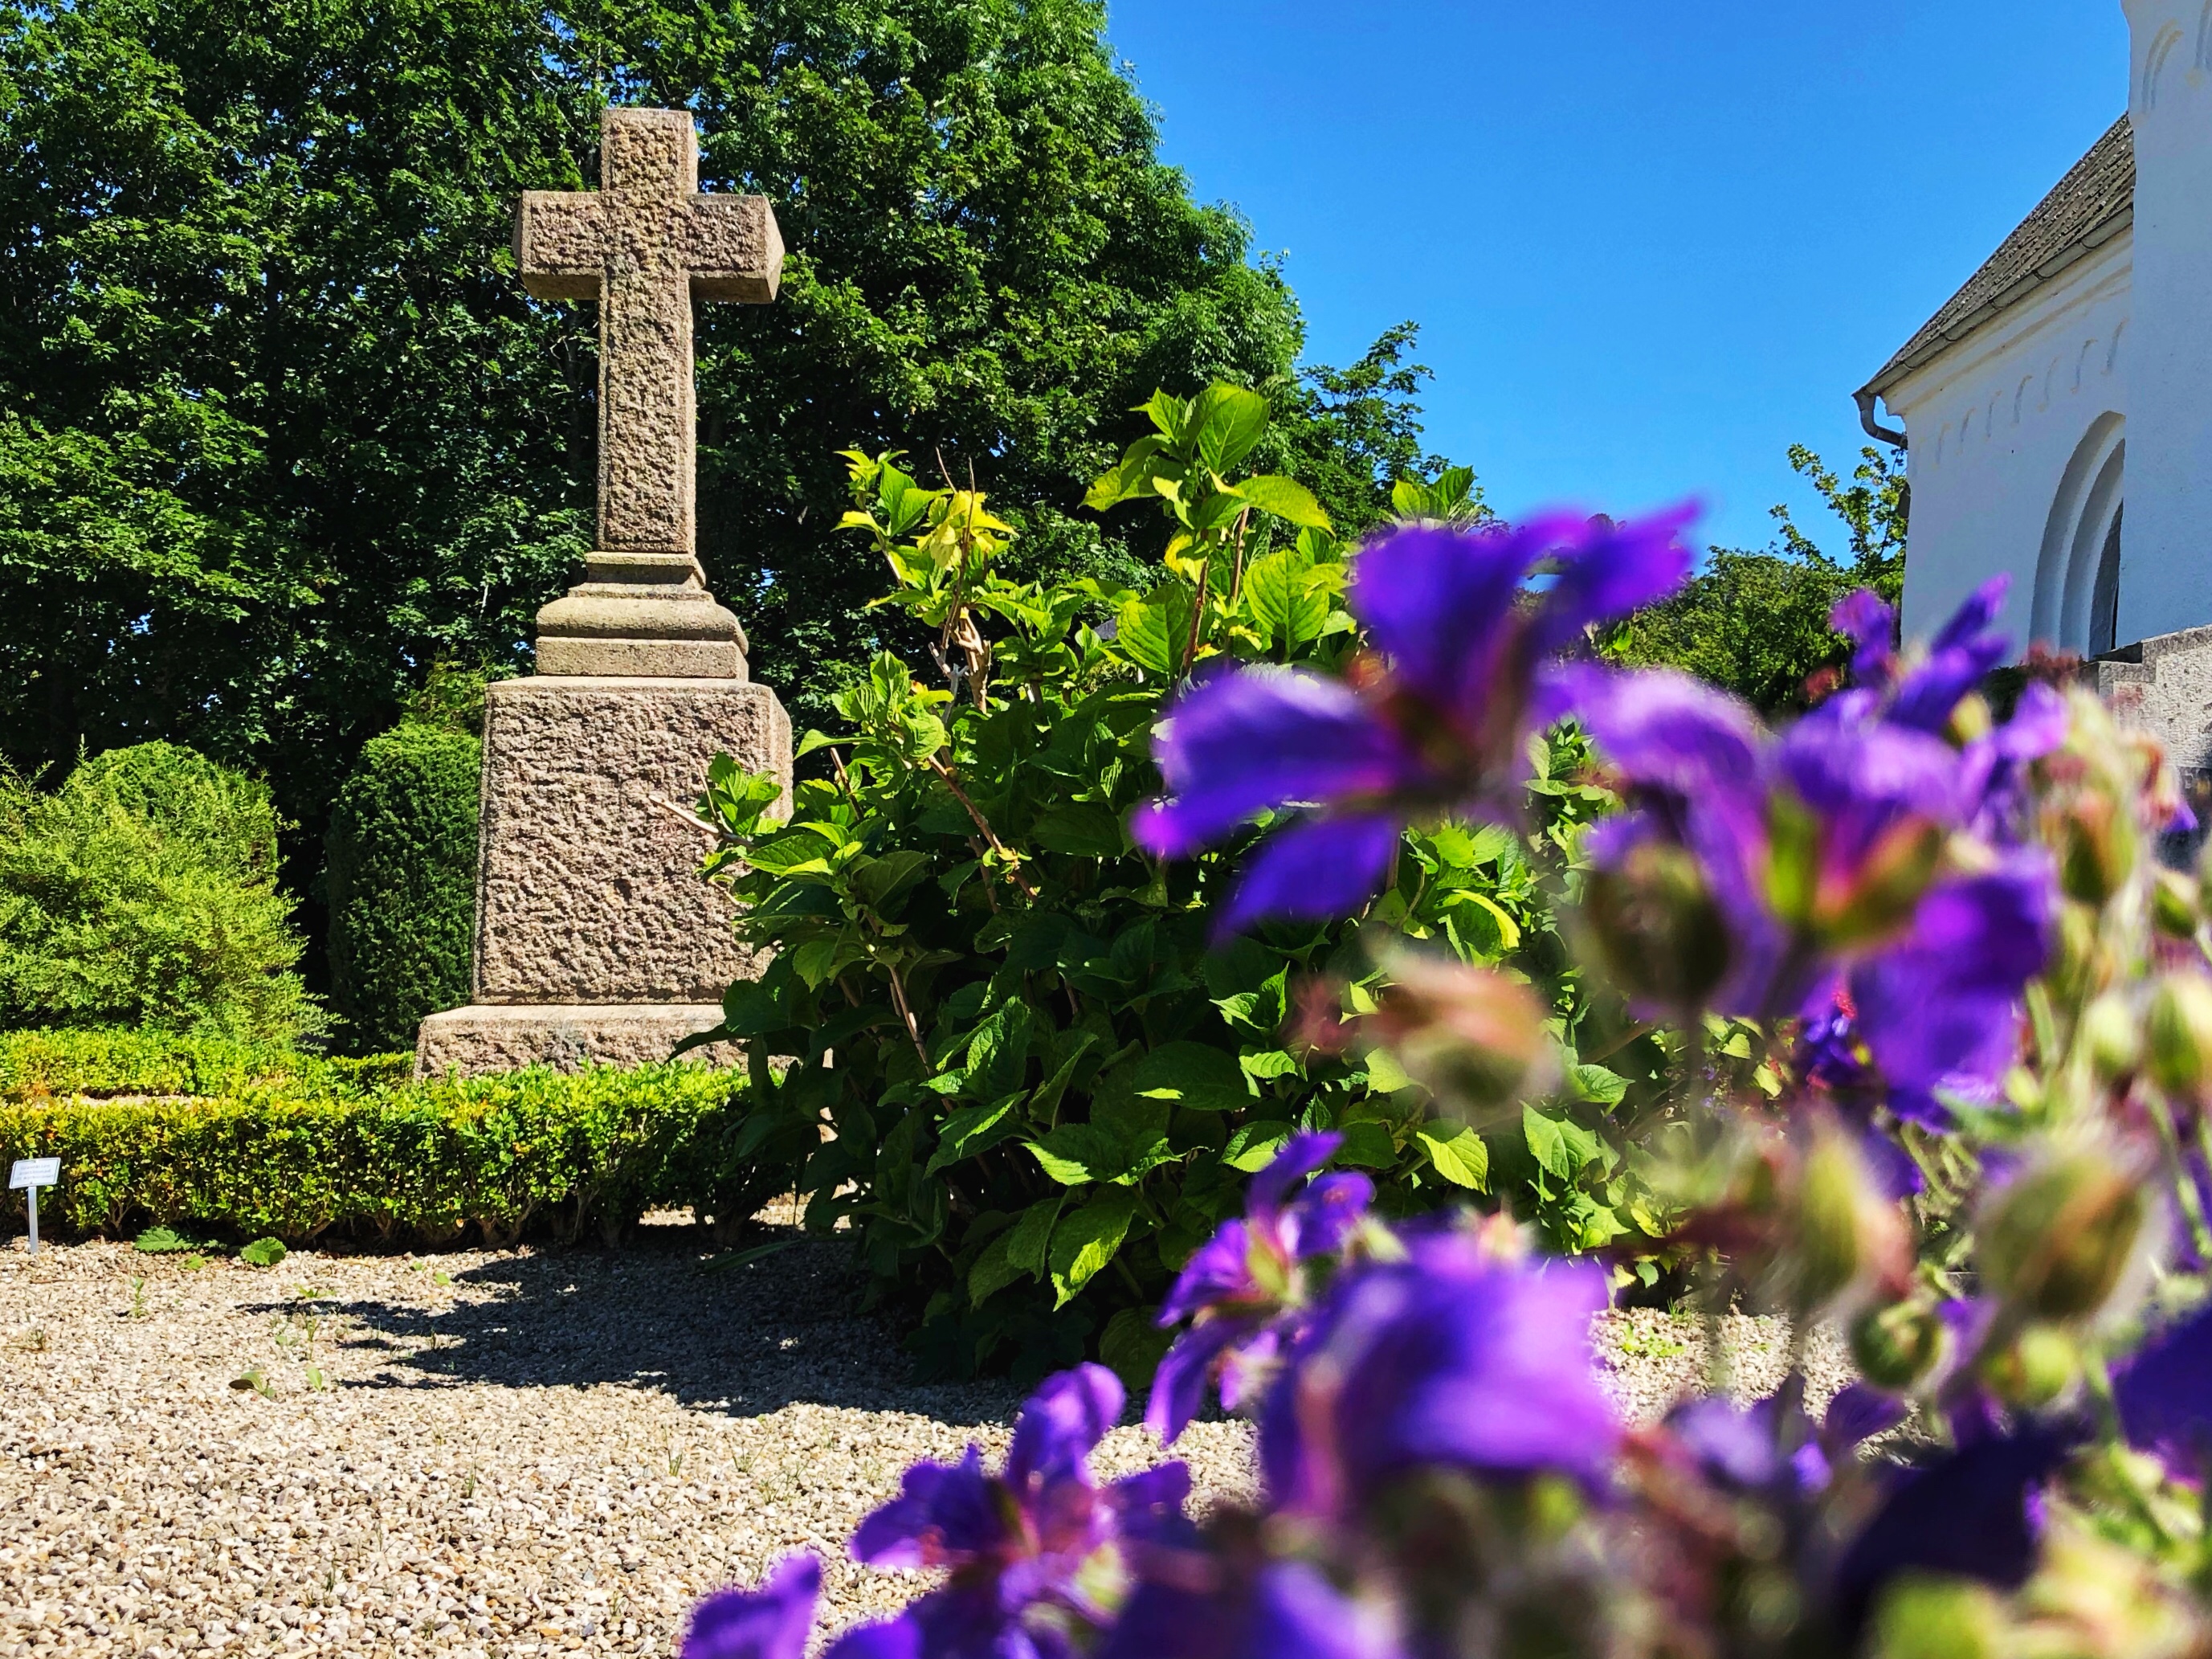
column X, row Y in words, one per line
column 644, row 245
column 490, row 1037
column 588, row 889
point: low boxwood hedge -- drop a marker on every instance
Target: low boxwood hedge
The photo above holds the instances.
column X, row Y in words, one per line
column 315, row 1152
column 36, row 1065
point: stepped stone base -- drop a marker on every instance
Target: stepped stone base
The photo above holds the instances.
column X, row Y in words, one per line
column 495, row 1038
column 2163, row 685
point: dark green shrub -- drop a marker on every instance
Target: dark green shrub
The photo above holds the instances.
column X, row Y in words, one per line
column 572, row 1156
column 1047, row 1085
column 402, row 866
column 143, row 892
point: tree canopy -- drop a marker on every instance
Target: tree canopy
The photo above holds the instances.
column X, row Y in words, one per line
column 280, row 431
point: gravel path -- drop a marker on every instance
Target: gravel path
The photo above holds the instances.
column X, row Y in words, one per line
column 509, row 1453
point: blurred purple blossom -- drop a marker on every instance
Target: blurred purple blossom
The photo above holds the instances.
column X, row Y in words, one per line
column 2164, row 1393
column 1244, row 1287
column 770, row 1623
column 1451, row 1357
column 1468, row 666
column 1020, row 1548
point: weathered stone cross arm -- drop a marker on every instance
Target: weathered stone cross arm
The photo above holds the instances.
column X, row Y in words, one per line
column 644, row 245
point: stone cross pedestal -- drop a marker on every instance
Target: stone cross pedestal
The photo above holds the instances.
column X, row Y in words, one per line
column 596, row 940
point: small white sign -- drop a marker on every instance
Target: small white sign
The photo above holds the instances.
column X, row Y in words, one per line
column 34, row 1172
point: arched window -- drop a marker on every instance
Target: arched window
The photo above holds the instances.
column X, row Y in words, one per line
column 2077, row 577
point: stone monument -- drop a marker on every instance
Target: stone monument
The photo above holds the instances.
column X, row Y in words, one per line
column 596, row 940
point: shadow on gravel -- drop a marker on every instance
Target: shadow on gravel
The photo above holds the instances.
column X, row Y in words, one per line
column 742, row 1339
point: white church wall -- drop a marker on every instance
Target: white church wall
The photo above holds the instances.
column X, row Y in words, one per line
column 2165, row 581
column 1997, row 423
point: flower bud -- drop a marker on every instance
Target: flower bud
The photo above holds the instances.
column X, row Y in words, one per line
column 1895, row 1346
column 2056, row 1239
column 1472, row 1037
column 1970, row 718
column 2039, row 1366
column 2174, row 904
column 1660, row 934
column 2096, row 848
column 2177, row 1033
column 2111, row 1037
column 1924, row 1617
column 1843, row 1229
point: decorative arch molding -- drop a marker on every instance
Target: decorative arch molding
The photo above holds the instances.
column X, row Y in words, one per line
column 2154, row 61
column 2077, row 572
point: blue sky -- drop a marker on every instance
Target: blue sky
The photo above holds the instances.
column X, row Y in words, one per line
column 1649, row 246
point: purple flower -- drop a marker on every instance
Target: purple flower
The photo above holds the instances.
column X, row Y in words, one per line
column 2165, row 1393
column 1019, row 1547
column 1283, row 1610
column 1448, row 1358
column 770, row 1623
column 1467, row 667
column 1971, row 1516
column 1243, row 1286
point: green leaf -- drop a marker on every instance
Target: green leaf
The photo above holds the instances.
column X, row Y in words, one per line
column 1195, row 1075
column 1085, row 1242
column 1595, row 1083
column 795, row 852
column 1045, row 1101
column 1385, row 1076
column 1132, row 1345
column 263, row 1253
column 1286, row 498
column 1058, row 1159
column 1462, row 847
column 975, row 1129
column 1254, row 1146
column 1268, row 1063
column 1231, row 422
column 1019, row 1250
column 1080, row 830
column 876, row 882
column 1505, row 930
column 1286, row 604
column 999, row 1052
column 1154, row 631
column 1367, row 1146
column 1463, row 1160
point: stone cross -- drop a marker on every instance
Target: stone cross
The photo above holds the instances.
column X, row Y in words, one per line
column 645, row 246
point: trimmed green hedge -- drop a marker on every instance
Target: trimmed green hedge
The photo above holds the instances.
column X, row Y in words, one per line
column 34, row 1065
column 565, row 1157
column 401, row 864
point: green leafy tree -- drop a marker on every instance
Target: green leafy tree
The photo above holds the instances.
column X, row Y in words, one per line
column 143, row 892
column 1757, row 623
column 401, row 873
column 279, row 429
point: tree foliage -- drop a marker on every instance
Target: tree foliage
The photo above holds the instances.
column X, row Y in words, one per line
column 143, row 892
column 1757, row 623
column 279, row 429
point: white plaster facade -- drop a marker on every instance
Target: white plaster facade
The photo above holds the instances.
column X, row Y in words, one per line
column 2059, row 409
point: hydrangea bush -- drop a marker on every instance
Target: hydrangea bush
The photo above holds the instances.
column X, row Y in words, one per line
column 1942, row 1079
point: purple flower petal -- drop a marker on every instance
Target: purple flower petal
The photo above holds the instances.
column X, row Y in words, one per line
column 1324, row 1215
column 1938, row 1010
column 1437, row 602
column 1179, row 1384
column 1871, row 625
column 1609, row 569
column 1733, row 1445
column 1150, row 1506
column 887, row 1639
column 2165, row 1393
column 1962, row 652
column 1450, row 1359
column 1068, row 1415
column 770, row 1623
column 943, row 1513
column 2038, row 725
column 1220, row 1270
column 1298, row 1158
column 1313, row 870
column 1249, row 740
column 1967, row 1516
column 1858, row 1414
